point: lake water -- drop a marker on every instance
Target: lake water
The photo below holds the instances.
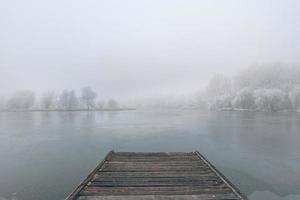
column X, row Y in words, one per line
column 44, row 156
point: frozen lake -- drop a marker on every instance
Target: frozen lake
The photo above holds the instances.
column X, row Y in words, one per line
column 44, row 156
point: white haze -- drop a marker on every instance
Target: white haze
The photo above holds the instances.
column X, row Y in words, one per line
column 132, row 48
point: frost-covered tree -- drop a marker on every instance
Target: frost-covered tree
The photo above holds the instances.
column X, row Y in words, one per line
column 112, row 104
column 219, row 91
column 274, row 75
column 64, row 99
column 88, row 96
column 68, row 100
column 294, row 95
column 73, row 100
column 219, row 85
column 48, row 100
column 100, row 104
column 21, row 100
column 2, row 103
column 221, row 102
column 271, row 100
column 276, row 87
column 244, row 99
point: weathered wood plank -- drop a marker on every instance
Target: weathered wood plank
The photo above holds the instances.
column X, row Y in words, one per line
column 164, row 154
column 175, row 163
column 156, row 179
column 157, row 189
column 152, row 159
column 203, row 183
column 154, row 168
column 158, row 174
column 151, row 164
column 164, row 197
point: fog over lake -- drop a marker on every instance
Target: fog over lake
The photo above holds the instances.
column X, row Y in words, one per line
column 80, row 78
column 140, row 48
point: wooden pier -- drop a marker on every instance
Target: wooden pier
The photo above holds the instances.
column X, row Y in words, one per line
column 155, row 176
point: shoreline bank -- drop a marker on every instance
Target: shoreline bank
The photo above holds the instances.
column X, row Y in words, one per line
column 71, row 110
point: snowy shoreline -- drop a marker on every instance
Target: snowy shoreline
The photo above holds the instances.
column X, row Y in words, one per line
column 70, row 110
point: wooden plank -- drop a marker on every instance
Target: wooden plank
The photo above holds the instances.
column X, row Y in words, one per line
column 164, row 197
column 146, row 192
column 154, row 157
column 203, row 183
column 163, row 154
column 156, row 160
column 156, row 179
column 154, row 168
column 158, row 174
column 159, row 188
column 151, row 164
column 156, row 190
column 176, row 163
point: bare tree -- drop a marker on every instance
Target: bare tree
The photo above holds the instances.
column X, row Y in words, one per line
column 88, row 96
column 68, row 100
column 112, row 104
column 48, row 100
column 2, row 103
column 295, row 97
column 64, row 99
column 100, row 104
column 73, row 100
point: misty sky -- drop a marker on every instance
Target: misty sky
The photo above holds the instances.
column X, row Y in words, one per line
column 134, row 47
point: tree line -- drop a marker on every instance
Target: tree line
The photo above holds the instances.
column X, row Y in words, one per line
column 269, row 87
column 266, row 87
column 66, row 100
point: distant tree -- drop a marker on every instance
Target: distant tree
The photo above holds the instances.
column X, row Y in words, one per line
column 88, row 96
column 73, row 100
column 68, row 100
column 294, row 95
column 64, row 99
column 273, row 75
column 100, row 104
column 221, row 102
column 112, row 104
column 48, row 100
column 2, row 103
column 271, row 100
column 23, row 99
column 219, row 85
column 244, row 99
